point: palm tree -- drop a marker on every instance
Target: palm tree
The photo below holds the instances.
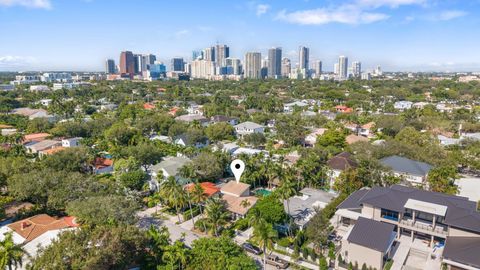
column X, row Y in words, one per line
column 216, row 214
column 198, row 197
column 173, row 194
column 176, row 253
column 264, row 235
column 10, row 253
column 285, row 192
column 254, row 217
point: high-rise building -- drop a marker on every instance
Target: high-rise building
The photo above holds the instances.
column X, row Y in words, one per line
column 138, row 60
column 127, row 63
column 178, row 64
column 304, row 58
column 148, row 60
column 275, row 62
column 336, row 69
column 253, row 65
column 235, row 64
column 202, row 69
column 221, row 53
column 356, row 69
column 197, row 55
column 209, row 54
column 343, row 67
column 317, row 66
column 286, row 67
column 110, row 66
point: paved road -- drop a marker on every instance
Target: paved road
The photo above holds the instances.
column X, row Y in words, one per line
column 176, row 231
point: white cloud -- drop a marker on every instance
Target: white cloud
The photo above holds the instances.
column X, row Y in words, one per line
column 182, row 33
column 390, row 3
column 43, row 4
column 447, row 15
column 347, row 14
column 10, row 61
column 262, row 9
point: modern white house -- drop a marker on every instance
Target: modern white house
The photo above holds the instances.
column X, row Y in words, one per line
column 403, row 105
column 169, row 166
column 71, row 142
column 247, row 128
column 289, row 107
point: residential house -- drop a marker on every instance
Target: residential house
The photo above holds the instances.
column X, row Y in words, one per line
column 302, row 207
column 71, row 142
column 366, row 130
column 37, row 232
column 414, row 172
column 311, row 139
column 51, row 151
column 102, row 165
column 161, row 138
column 209, row 188
column 223, row 119
column 190, row 118
column 352, row 138
column 169, row 166
column 185, row 140
column 343, row 109
column 237, row 198
column 34, row 113
column 290, row 107
column 369, row 242
column 195, row 109
column 339, row 164
column 247, row 128
column 430, row 218
column 35, row 147
column 403, row 105
column 35, row 137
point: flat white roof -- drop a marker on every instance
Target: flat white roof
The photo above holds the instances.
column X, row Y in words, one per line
column 431, row 208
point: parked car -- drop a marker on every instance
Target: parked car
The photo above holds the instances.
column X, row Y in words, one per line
column 251, row 248
column 277, row 262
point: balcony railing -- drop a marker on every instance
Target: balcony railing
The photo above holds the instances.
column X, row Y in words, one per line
column 427, row 227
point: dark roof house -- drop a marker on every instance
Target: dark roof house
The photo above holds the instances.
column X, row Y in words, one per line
column 405, row 165
column 342, row 162
column 372, row 234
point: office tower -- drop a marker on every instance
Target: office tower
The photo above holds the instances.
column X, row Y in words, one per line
column 202, row 69
column 157, row 70
column 264, row 70
column 197, row 55
column 127, row 63
column 336, row 70
column 187, row 68
column 221, row 52
column 138, row 60
column 275, row 62
column 110, row 66
column 343, row 67
column 209, row 54
column 148, row 60
column 253, row 65
column 286, row 67
column 235, row 65
column 178, row 64
column 356, row 69
column 378, row 71
column 317, row 66
column 303, row 58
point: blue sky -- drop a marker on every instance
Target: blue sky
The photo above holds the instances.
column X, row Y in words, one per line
column 412, row 35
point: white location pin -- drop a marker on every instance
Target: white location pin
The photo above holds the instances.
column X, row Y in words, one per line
column 237, row 166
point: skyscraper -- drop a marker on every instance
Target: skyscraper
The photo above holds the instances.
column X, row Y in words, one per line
column 209, row 54
column 356, row 69
column 127, row 63
column 303, row 58
column 317, row 66
column 235, row 64
column 275, row 62
column 253, row 65
column 197, row 55
column 138, row 60
column 148, row 60
column 202, row 69
column 110, row 66
column 177, row 64
column 221, row 52
column 343, row 67
column 286, row 67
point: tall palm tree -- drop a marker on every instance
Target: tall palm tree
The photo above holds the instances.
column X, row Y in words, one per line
column 173, row 194
column 254, row 217
column 198, row 197
column 285, row 192
column 176, row 253
column 216, row 214
column 264, row 235
column 10, row 253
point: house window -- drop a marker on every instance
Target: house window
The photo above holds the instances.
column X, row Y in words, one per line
column 387, row 214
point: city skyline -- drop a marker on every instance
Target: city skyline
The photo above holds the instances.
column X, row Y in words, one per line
column 399, row 35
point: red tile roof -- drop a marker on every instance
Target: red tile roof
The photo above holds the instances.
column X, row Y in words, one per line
column 209, row 188
column 33, row 227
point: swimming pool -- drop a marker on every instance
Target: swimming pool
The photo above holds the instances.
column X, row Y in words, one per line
column 262, row 192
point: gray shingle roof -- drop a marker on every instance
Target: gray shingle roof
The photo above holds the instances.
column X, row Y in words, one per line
column 405, row 165
column 353, row 201
column 372, row 234
column 465, row 250
column 461, row 212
